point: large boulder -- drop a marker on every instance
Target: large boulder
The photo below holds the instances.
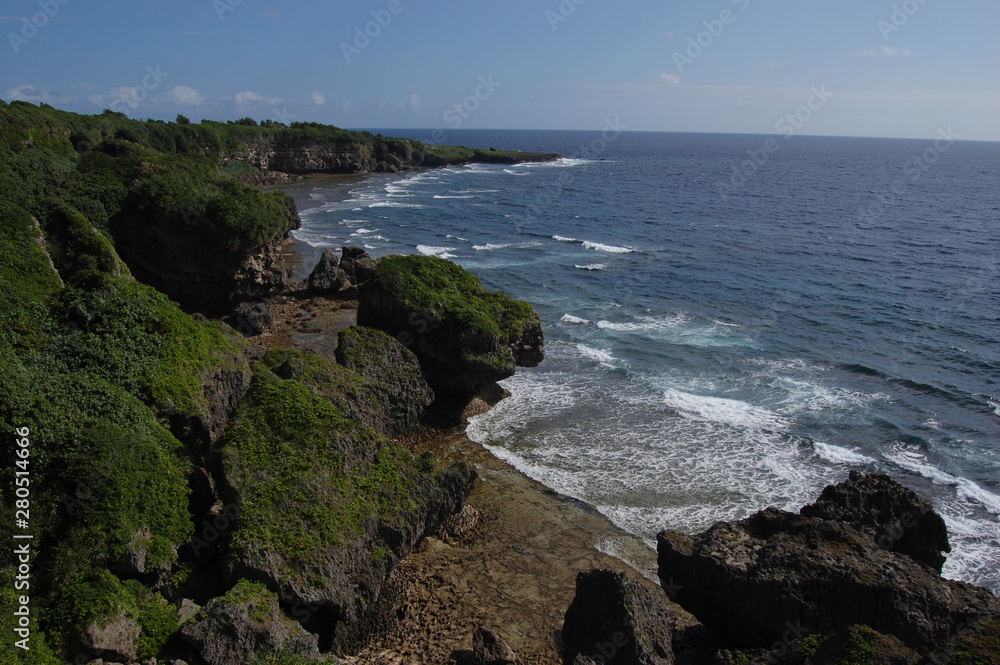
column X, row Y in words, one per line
column 231, row 629
column 488, row 648
column 327, row 276
column 116, row 638
column 395, row 392
column 615, row 620
column 755, row 580
column 464, row 336
column 348, row 503
column 894, row 517
column 357, row 264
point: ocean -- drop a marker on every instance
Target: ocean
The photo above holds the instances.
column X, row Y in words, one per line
column 732, row 321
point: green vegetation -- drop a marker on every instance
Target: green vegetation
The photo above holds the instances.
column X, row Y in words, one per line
column 309, row 477
column 449, row 292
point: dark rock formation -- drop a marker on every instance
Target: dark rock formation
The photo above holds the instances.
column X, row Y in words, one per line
column 975, row 643
column 615, row 620
column 356, row 264
column 895, row 518
column 327, row 276
column 232, row 629
column 252, row 318
column 857, row 644
column 756, row 579
column 187, row 256
column 464, row 336
column 116, row 638
column 395, row 393
column 488, row 648
column 223, row 388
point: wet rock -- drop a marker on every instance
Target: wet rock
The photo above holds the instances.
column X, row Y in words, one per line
column 894, row 517
column 233, row 628
column 758, row 579
column 489, row 648
column 616, row 620
column 327, row 276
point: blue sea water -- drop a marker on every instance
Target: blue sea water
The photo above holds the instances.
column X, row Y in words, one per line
column 721, row 336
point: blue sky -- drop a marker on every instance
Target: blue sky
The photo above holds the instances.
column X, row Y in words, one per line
column 898, row 68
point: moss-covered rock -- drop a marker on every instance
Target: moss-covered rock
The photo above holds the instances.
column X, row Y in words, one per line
column 246, row 621
column 856, row 645
column 464, row 336
column 326, row 507
column 973, row 644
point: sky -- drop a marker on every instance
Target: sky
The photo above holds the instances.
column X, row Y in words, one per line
column 886, row 68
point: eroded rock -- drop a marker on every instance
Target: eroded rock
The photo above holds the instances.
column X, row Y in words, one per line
column 327, row 276
column 489, row 648
column 357, row 264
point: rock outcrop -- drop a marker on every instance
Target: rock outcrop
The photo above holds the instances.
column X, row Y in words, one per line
column 753, row 579
column 615, row 620
column 231, row 629
column 464, row 336
column 357, row 264
column 350, row 504
column 327, row 276
column 488, row 648
column 395, row 393
column 116, row 638
column 894, row 517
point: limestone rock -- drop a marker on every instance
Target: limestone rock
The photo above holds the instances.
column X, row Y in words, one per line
column 357, row 264
column 616, row 620
column 233, row 628
column 893, row 516
column 327, row 276
column 116, row 638
column 253, row 318
column 753, row 579
column 490, row 649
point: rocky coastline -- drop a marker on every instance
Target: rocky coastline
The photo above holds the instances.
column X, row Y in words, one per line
column 234, row 468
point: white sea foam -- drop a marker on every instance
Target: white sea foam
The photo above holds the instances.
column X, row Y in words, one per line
column 440, row 252
column 966, row 489
column 451, row 237
column 489, row 247
column 361, row 232
column 393, row 204
column 592, row 266
column 598, row 355
column 609, row 249
column 565, row 239
column 446, row 196
column 647, row 323
column 721, row 410
column 839, row 455
column 517, row 173
column 569, row 318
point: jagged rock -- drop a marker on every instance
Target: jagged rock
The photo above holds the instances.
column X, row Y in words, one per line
column 327, row 276
column 231, row 629
column 187, row 610
column 356, row 264
column 117, row 638
column 464, row 336
column 396, row 393
column 895, row 517
column 616, row 620
column 350, row 502
column 134, row 560
column 976, row 644
column 460, row 524
column 859, row 642
column 222, row 390
column 189, row 256
column 489, row 648
column 755, row 580
column 253, row 318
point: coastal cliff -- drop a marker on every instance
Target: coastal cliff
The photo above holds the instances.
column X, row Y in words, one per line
column 197, row 497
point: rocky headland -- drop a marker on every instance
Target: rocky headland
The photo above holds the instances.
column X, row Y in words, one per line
column 229, row 467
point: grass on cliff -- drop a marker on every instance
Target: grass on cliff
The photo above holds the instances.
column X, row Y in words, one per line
column 310, row 478
column 449, row 292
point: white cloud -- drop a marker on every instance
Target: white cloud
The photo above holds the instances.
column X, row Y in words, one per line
column 770, row 65
column 672, row 79
column 318, row 99
column 27, row 93
column 883, row 52
column 347, row 107
column 415, row 102
column 248, row 100
column 186, row 96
